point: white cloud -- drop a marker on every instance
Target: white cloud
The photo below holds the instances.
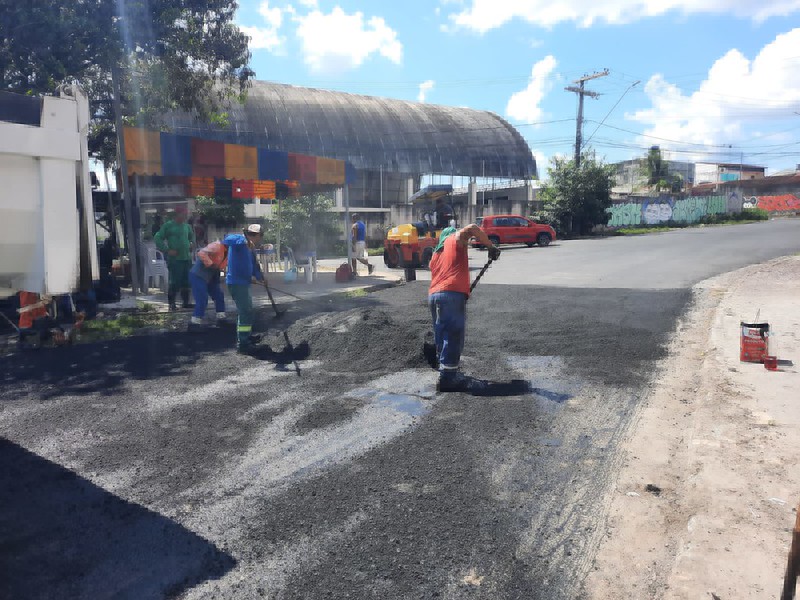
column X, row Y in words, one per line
column 268, row 37
column 484, row 15
column 424, row 88
column 738, row 98
column 338, row 41
column 308, row 3
column 524, row 105
column 272, row 16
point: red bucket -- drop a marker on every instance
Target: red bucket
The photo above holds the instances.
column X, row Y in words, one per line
column 771, row 363
column 754, row 345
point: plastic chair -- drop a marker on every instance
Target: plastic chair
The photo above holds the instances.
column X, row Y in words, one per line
column 155, row 268
column 307, row 266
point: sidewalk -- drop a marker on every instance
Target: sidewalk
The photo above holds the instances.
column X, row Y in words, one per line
column 720, row 439
column 323, row 285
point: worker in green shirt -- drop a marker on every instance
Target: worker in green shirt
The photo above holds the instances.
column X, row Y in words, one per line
column 175, row 239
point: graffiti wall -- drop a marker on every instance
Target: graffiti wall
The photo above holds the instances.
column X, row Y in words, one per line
column 782, row 203
column 652, row 211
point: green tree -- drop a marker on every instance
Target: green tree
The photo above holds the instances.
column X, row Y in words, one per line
column 222, row 212
column 306, row 222
column 656, row 170
column 171, row 54
column 578, row 197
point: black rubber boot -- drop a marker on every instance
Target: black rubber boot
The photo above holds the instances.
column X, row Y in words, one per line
column 171, row 300
column 185, row 298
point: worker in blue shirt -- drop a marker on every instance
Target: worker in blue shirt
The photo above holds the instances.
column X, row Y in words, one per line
column 358, row 239
column 243, row 270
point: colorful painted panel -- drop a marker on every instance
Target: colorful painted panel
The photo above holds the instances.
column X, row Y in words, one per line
column 142, row 151
column 272, row 165
column 330, row 171
column 781, row 203
column 302, row 168
column 241, row 162
column 243, row 189
column 223, row 188
column 176, row 155
column 208, row 158
column 263, row 189
column 199, row 186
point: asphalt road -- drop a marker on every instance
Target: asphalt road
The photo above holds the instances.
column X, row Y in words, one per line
column 168, row 466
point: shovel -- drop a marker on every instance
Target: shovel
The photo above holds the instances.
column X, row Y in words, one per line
column 278, row 314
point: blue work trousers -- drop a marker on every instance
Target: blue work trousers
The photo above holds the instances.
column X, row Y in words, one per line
column 201, row 290
column 244, row 304
column 449, row 314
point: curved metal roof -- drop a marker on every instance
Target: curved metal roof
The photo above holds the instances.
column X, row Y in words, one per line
column 404, row 137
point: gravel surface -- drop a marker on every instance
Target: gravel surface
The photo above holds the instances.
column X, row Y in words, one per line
column 328, row 468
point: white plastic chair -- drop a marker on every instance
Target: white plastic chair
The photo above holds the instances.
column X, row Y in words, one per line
column 155, row 268
column 308, row 266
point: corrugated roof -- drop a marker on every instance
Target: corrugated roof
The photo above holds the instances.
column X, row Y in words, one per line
column 404, row 137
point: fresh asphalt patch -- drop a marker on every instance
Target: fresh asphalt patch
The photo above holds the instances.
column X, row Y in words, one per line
column 348, row 476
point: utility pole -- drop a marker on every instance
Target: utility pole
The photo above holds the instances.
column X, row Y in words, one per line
column 581, row 93
column 133, row 240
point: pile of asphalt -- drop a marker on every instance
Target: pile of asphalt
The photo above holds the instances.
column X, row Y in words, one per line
column 361, row 337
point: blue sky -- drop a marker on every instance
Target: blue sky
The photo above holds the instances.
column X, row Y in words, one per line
column 718, row 79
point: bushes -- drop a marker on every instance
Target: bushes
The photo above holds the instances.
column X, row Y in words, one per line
column 747, row 214
column 753, row 214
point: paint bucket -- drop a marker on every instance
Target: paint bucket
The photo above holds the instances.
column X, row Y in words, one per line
column 771, row 363
column 754, row 342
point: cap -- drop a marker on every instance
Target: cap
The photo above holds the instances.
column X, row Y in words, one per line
column 255, row 229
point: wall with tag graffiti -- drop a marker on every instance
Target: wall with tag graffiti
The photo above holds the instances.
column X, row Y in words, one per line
column 774, row 204
column 652, row 211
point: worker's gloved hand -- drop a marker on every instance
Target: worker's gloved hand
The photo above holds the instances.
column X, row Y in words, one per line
column 494, row 252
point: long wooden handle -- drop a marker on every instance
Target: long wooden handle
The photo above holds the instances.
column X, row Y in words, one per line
column 793, row 564
column 478, row 278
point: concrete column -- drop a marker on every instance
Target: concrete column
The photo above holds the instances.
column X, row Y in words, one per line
column 409, row 188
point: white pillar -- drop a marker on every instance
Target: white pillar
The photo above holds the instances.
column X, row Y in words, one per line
column 347, row 225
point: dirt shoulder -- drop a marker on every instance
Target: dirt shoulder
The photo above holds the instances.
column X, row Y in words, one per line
column 721, row 441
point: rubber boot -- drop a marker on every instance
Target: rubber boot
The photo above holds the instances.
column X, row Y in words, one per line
column 196, row 325
column 185, row 298
column 171, row 300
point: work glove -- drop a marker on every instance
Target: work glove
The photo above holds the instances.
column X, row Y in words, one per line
column 494, row 253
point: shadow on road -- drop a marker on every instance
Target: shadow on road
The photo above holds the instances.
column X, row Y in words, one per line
column 64, row 537
column 286, row 356
column 103, row 367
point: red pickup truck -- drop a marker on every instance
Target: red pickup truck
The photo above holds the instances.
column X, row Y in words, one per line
column 515, row 229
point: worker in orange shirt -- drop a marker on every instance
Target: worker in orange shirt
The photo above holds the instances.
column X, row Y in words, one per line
column 447, row 299
column 204, row 277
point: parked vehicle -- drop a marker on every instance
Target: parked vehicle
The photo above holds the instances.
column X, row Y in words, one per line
column 515, row 229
